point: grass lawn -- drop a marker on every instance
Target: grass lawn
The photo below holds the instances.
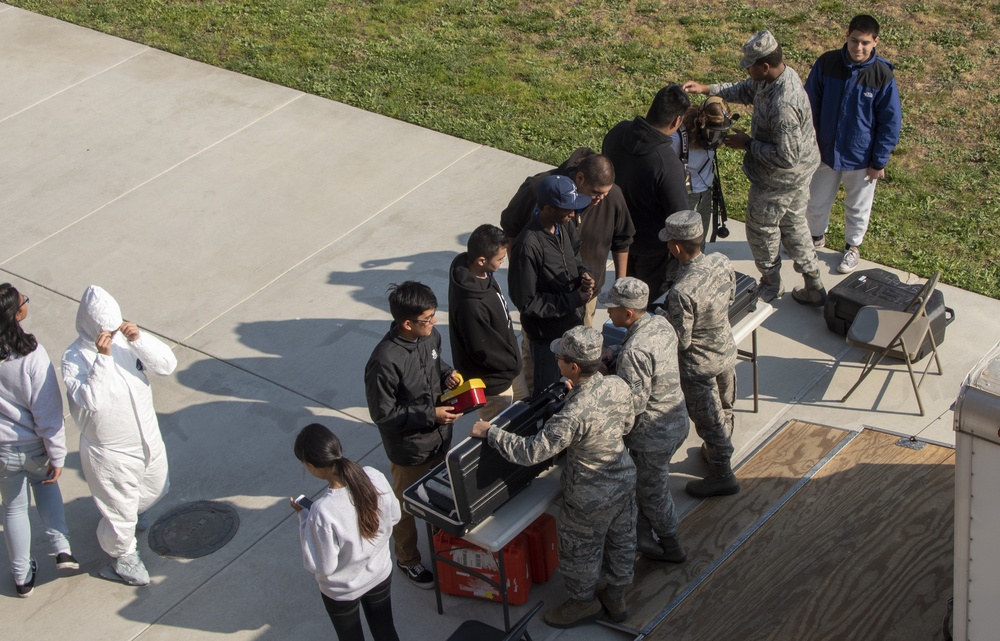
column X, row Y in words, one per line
column 539, row 78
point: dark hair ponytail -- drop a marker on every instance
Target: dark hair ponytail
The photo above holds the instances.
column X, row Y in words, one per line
column 14, row 341
column 319, row 447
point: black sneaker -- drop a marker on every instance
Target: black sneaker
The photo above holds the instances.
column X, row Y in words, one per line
column 25, row 590
column 418, row 575
column 66, row 561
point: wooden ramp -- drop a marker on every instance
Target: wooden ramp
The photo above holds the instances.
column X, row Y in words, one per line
column 836, row 535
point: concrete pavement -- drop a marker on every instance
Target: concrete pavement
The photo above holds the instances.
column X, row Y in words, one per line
column 256, row 228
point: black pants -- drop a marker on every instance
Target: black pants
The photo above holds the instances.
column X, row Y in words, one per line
column 658, row 271
column 377, row 604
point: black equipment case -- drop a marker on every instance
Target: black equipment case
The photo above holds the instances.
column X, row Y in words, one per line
column 743, row 304
column 746, row 298
column 881, row 288
column 475, row 480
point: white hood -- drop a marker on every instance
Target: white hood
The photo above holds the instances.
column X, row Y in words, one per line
column 98, row 312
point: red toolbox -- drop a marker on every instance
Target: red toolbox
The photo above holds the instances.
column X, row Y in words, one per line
column 457, row 582
column 543, row 548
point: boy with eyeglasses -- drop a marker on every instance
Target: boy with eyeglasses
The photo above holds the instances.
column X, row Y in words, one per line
column 404, row 379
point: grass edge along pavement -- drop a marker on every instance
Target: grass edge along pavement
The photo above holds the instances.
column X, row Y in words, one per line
column 539, row 79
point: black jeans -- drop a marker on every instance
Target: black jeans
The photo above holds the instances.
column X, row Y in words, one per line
column 377, row 604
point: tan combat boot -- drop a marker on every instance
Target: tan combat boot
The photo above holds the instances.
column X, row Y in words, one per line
column 573, row 613
column 612, row 597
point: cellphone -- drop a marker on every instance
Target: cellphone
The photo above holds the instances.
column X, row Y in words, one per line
column 302, row 501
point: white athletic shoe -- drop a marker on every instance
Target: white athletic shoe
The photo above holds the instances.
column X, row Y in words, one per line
column 850, row 262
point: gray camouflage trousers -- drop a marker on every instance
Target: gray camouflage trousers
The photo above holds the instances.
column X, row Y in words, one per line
column 778, row 217
column 597, row 546
column 652, row 488
column 710, row 404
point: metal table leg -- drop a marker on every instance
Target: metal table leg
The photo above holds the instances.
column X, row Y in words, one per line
column 434, row 560
column 753, row 361
column 503, row 591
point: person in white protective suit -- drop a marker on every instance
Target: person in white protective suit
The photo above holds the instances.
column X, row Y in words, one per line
column 121, row 449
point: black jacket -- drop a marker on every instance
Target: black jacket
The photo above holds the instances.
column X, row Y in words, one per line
column 602, row 227
column 483, row 343
column 544, row 280
column 652, row 178
column 403, row 383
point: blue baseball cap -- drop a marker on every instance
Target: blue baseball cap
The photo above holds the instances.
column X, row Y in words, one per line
column 560, row 192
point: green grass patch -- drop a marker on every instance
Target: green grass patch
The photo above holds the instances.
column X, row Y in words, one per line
column 541, row 78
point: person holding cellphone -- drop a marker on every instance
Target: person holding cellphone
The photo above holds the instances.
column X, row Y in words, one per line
column 345, row 536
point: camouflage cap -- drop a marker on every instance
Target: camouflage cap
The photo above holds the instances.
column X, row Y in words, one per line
column 582, row 344
column 684, row 225
column 759, row 45
column 626, row 292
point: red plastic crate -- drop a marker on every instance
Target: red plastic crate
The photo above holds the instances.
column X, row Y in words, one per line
column 457, row 582
column 543, row 548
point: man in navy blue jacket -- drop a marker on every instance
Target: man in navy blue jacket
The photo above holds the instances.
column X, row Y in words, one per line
column 857, row 115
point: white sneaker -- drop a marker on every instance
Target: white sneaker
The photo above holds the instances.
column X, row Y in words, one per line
column 850, row 262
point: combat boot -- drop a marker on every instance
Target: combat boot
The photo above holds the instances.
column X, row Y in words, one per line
column 573, row 612
column 814, row 293
column 644, row 541
column 612, row 597
column 671, row 551
column 720, row 482
column 770, row 287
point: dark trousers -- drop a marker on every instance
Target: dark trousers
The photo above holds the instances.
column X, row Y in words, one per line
column 377, row 604
column 545, row 365
column 657, row 271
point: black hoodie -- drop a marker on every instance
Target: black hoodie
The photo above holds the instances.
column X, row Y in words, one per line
column 651, row 176
column 483, row 344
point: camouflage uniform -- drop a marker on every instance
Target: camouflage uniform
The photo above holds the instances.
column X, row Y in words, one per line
column 648, row 363
column 597, row 521
column 779, row 162
column 698, row 308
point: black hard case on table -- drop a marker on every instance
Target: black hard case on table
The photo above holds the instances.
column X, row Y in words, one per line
column 881, row 288
column 475, row 480
column 746, row 298
column 744, row 303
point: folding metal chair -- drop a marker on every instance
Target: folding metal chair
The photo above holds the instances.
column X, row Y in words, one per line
column 479, row 631
column 886, row 332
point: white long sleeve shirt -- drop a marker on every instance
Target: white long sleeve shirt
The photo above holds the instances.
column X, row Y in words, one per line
column 345, row 564
column 31, row 405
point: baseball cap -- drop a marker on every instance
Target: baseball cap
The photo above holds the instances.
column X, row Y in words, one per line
column 560, row 192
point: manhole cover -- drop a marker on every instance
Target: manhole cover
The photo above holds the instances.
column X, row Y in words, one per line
column 194, row 530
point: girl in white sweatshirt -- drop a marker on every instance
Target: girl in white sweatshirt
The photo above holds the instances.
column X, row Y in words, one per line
column 345, row 536
column 32, row 443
